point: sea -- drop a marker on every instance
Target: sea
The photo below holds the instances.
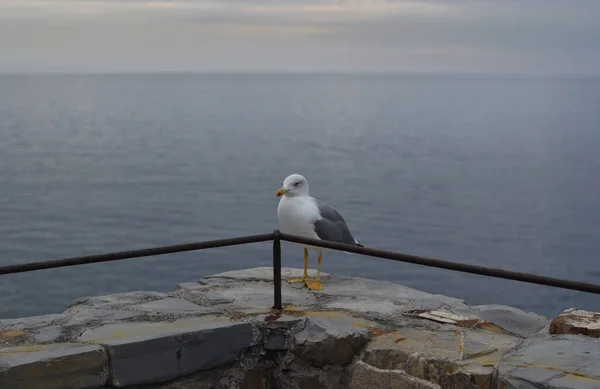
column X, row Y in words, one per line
column 500, row 171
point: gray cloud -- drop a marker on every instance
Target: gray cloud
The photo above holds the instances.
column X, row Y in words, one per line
column 547, row 36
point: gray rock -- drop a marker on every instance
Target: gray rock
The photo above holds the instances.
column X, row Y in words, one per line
column 387, row 291
column 331, row 338
column 364, row 376
column 299, row 375
column 529, row 378
column 156, row 352
column 190, row 286
column 568, row 381
column 565, row 362
column 53, row 366
column 449, row 356
column 275, row 342
column 576, row 321
column 253, row 288
column 217, row 298
column 48, row 334
column 225, row 377
column 173, row 306
column 118, row 299
column 366, row 305
column 260, row 294
column 203, row 292
column 81, row 315
column 30, row 322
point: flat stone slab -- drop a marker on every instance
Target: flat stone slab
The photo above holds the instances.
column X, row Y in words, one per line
column 576, row 321
column 510, row 319
column 83, row 315
column 173, row 306
column 558, row 362
column 30, row 322
column 366, row 288
column 260, row 294
column 53, row 366
column 155, row 352
column 367, row 305
column 117, row 300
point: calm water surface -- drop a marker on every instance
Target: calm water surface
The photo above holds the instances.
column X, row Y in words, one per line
column 494, row 171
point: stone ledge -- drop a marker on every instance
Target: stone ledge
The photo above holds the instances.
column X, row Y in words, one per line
column 221, row 332
column 155, row 352
column 53, row 366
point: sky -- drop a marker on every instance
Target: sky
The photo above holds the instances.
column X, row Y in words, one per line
column 439, row 36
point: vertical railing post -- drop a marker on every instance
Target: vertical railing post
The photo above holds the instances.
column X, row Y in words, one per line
column 277, row 269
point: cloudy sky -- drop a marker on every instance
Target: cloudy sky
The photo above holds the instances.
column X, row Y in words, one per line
column 497, row 36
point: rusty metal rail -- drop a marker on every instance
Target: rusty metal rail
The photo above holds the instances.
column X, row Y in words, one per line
column 118, row 256
column 276, row 237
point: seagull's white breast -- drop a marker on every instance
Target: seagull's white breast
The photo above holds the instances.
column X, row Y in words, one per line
column 297, row 216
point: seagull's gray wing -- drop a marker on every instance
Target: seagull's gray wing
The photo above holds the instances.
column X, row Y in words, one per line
column 332, row 226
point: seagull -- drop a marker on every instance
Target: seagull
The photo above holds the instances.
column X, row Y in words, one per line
column 303, row 215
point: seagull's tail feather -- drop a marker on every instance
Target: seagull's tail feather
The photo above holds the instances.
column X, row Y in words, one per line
column 357, row 244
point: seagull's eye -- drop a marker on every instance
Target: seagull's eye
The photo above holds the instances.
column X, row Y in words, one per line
column 297, row 184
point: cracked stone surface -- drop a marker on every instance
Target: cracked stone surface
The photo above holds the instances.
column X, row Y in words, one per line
column 221, row 332
column 448, row 355
column 366, row 376
column 331, row 338
column 565, row 361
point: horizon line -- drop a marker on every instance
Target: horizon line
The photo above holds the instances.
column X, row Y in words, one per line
column 295, row 72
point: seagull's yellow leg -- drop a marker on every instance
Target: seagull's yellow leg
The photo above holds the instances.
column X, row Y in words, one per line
column 305, row 276
column 316, row 284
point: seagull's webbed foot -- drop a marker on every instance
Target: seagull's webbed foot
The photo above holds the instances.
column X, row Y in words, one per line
column 316, row 283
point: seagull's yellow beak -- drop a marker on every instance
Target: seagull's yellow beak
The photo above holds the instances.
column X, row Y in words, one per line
column 281, row 192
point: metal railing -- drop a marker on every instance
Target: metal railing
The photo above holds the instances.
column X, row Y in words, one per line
column 276, row 237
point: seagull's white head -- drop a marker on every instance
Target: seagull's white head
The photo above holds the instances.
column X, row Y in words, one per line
column 294, row 185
